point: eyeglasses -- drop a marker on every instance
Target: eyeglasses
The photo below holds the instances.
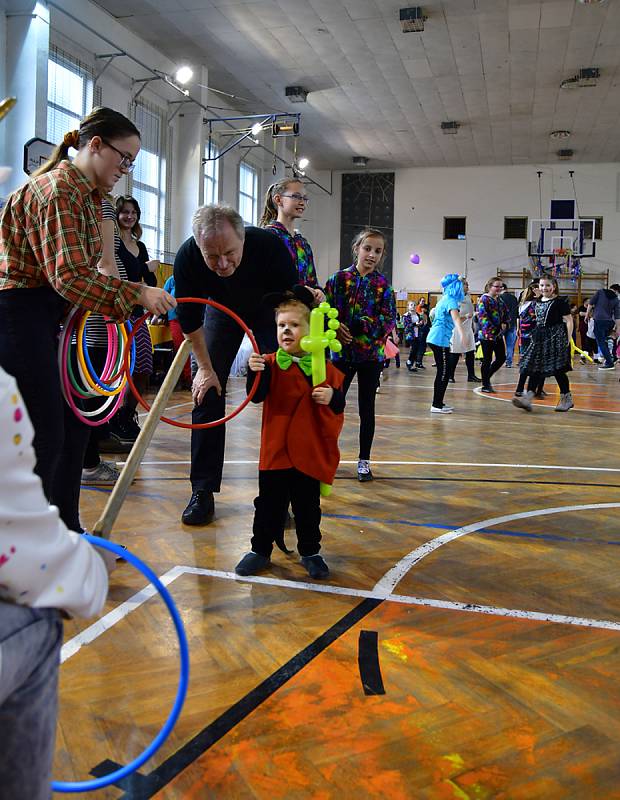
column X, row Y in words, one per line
column 299, row 197
column 126, row 161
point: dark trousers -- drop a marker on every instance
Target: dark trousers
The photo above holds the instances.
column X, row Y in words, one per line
column 602, row 328
column 444, row 360
column 537, row 380
column 490, row 348
column 29, row 327
column 419, row 348
column 368, row 373
column 223, row 338
column 276, row 489
column 469, row 363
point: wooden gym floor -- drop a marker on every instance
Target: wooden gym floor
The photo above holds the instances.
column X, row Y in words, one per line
column 465, row 646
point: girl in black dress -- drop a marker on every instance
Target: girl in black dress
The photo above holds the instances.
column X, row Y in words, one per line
column 548, row 351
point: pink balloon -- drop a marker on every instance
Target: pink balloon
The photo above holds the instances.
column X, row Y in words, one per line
column 414, row 258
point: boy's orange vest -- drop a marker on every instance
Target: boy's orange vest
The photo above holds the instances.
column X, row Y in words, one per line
column 297, row 432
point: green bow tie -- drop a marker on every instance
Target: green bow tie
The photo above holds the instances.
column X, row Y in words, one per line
column 284, row 361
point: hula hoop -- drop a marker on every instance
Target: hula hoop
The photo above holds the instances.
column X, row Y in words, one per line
column 94, row 386
column 200, row 425
column 128, row 769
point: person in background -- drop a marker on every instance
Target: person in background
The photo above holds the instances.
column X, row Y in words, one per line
column 604, row 308
column 465, row 343
column 446, row 320
column 177, row 336
column 510, row 334
column 492, row 320
column 367, row 314
column 424, row 326
column 410, row 332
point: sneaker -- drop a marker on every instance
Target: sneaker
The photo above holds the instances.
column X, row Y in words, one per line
column 411, row 367
column 315, row 566
column 524, row 401
column 518, row 394
column 444, row 410
column 363, row 471
column 200, row 510
column 251, row 563
column 541, row 394
column 488, row 389
column 114, row 444
column 566, row 402
column 420, row 366
column 451, row 380
column 607, row 366
column 474, row 379
column 104, row 474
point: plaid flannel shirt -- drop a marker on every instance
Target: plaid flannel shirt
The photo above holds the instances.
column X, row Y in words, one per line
column 50, row 234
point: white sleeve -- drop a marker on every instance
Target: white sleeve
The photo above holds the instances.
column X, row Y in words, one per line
column 42, row 563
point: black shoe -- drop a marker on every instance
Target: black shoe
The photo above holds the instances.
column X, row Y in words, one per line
column 488, row 389
column 474, row 379
column 124, row 426
column 200, row 509
column 251, row 563
column 315, row 566
column 451, row 380
column 420, row 366
column 114, row 444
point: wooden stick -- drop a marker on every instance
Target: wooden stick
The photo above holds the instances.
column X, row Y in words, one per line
column 104, row 524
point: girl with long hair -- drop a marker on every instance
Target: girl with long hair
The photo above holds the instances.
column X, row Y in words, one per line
column 493, row 321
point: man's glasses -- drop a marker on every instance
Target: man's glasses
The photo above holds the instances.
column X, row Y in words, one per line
column 299, row 197
column 125, row 162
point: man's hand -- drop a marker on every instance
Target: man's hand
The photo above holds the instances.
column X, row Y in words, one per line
column 322, row 395
column 256, row 362
column 343, row 334
column 205, row 380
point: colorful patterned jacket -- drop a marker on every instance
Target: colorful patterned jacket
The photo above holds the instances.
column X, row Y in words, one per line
column 300, row 251
column 366, row 304
column 492, row 314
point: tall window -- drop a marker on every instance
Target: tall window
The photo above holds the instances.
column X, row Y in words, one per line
column 69, row 94
column 211, row 175
column 148, row 183
column 248, row 193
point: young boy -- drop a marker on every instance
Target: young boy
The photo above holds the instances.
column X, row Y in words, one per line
column 299, row 439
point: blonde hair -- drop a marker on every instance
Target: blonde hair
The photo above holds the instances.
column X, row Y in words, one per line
column 293, row 302
column 368, row 233
column 270, row 209
column 103, row 122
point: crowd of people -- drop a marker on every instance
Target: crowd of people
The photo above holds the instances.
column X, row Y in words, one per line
column 62, row 243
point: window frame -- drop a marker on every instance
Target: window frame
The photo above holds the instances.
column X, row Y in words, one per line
column 514, row 220
column 456, row 236
column 598, row 228
column 254, row 198
column 211, row 183
column 64, row 60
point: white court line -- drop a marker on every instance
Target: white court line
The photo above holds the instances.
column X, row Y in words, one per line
column 568, row 468
column 540, row 405
column 382, row 590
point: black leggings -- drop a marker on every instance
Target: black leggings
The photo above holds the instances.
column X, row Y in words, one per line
column 29, row 327
column 537, row 380
column 490, row 348
column 469, row 363
column 368, row 373
column 445, row 361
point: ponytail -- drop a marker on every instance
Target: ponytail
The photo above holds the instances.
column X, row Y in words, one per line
column 270, row 210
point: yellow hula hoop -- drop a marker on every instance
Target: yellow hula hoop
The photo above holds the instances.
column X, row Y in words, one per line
column 84, row 373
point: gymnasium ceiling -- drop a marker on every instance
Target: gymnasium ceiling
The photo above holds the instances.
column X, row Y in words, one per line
column 494, row 66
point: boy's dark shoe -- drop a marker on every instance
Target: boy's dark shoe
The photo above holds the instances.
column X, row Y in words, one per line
column 200, row 509
column 315, row 566
column 251, row 563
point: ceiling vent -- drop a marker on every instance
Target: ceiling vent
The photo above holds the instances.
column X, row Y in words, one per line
column 296, row 94
column 412, row 20
column 559, row 134
column 360, row 161
column 591, row 2
column 450, row 127
column 587, row 76
column 565, row 155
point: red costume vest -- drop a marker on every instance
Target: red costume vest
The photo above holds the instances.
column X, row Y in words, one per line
column 297, row 432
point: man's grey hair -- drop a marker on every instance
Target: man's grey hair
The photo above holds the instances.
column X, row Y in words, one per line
column 207, row 219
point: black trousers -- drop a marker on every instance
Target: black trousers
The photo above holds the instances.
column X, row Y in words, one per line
column 276, row 489
column 469, row 363
column 490, row 348
column 223, row 337
column 368, row 373
column 537, row 380
column 29, row 327
column 445, row 361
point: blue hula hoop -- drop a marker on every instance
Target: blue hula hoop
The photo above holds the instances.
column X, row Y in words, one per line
column 123, row 772
column 89, row 363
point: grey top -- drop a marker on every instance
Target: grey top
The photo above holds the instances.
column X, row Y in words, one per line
column 606, row 305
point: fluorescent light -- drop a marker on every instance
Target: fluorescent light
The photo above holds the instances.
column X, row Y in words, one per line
column 303, row 163
column 256, row 129
column 184, row 74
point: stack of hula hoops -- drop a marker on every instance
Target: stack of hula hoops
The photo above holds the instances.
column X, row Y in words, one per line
column 79, row 379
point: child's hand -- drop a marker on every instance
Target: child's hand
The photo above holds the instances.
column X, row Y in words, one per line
column 322, row 395
column 256, row 362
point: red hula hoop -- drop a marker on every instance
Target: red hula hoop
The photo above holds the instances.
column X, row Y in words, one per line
column 175, row 422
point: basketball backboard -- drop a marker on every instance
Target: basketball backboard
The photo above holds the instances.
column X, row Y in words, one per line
column 561, row 238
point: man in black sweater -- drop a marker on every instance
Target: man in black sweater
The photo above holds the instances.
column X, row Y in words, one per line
column 237, row 267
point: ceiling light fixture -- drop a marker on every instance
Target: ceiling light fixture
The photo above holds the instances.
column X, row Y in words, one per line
column 296, row 94
column 184, row 75
column 412, row 20
column 591, row 2
column 565, row 155
column 256, row 129
column 360, row 161
column 450, row 127
column 303, row 162
column 559, row 134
